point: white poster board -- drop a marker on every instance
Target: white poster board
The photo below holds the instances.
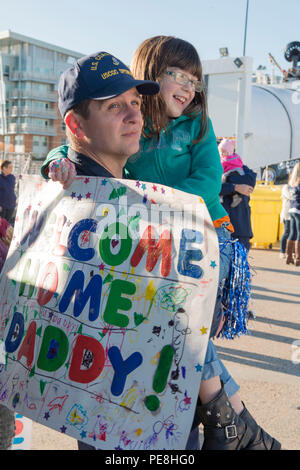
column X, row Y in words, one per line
column 106, row 301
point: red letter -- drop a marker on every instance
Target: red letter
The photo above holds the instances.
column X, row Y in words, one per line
column 45, row 294
column 58, row 249
column 27, row 347
column 162, row 247
column 89, row 353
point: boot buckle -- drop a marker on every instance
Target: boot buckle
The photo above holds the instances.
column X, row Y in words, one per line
column 231, row 431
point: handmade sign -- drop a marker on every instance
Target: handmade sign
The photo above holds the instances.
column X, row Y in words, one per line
column 106, row 301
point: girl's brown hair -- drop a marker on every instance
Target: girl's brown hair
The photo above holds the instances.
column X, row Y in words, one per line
column 149, row 62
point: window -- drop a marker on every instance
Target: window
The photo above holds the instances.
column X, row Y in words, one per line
column 19, row 139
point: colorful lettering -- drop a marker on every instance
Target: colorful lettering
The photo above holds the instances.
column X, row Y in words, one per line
column 48, row 284
column 59, row 250
column 27, row 347
column 54, row 349
column 106, row 243
column 187, row 253
column 116, row 302
column 15, row 333
column 92, row 292
column 78, row 253
column 162, row 248
column 29, row 277
column 86, row 375
column 122, row 368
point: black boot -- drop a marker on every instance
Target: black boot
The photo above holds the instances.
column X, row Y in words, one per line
column 223, row 428
column 260, row 440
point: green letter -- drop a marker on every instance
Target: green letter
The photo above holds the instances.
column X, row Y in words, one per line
column 54, row 349
column 106, row 241
column 115, row 301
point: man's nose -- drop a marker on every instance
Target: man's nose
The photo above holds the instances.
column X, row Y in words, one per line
column 133, row 114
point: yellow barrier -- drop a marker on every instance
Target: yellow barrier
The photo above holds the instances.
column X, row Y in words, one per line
column 266, row 203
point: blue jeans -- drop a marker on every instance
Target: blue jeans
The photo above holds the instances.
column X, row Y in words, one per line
column 294, row 227
column 284, row 235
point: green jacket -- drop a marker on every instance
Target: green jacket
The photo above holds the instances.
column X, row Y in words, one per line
column 176, row 162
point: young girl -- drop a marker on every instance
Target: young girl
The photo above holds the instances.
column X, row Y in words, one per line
column 179, row 149
column 293, row 241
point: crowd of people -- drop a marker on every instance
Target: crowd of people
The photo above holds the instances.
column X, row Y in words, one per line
column 125, row 127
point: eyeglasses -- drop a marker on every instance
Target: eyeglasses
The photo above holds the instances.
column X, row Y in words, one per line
column 183, row 79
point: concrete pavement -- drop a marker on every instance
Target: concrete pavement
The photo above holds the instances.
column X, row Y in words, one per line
column 266, row 364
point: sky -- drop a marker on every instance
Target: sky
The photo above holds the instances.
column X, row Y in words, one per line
column 119, row 26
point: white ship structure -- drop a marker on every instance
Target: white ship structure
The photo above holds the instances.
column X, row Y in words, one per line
column 260, row 111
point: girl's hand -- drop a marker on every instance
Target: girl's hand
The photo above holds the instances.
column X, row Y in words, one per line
column 63, row 171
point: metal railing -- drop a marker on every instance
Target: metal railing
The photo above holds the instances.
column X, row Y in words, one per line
column 33, row 111
column 33, row 76
column 34, row 94
column 28, row 128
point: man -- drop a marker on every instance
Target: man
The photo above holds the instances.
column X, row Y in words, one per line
column 100, row 102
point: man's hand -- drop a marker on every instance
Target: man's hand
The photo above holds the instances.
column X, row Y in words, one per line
column 244, row 189
column 63, row 171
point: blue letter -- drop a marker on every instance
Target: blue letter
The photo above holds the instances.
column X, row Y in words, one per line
column 187, row 255
column 88, row 225
column 15, row 334
column 93, row 291
column 122, row 368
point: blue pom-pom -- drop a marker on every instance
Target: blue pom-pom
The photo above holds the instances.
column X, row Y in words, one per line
column 236, row 292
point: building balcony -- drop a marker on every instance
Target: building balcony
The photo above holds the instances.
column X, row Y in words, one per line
column 33, row 111
column 33, row 77
column 50, row 96
column 27, row 128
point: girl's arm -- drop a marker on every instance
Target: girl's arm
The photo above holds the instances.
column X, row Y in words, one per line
column 58, row 167
column 55, row 154
column 206, row 169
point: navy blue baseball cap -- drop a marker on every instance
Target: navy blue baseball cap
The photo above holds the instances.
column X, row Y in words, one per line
column 98, row 76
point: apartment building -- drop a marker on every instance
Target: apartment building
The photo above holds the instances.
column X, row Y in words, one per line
column 29, row 71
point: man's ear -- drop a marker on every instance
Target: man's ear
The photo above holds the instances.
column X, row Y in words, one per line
column 73, row 124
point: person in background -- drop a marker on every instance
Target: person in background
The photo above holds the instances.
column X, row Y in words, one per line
column 242, row 182
column 293, row 241
column 7, row 191
column 231, row 163
column 285, row 218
